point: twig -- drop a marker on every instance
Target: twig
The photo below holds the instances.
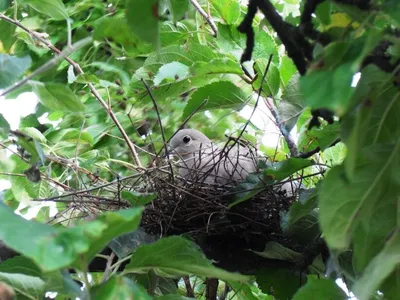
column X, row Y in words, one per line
column 91, row 86
column 108, row 269
column 286, row 134
column 189, row 288
column 211, row 288
column 48, row 65
column 316, row 150
column 161, row 127
column 208, row 19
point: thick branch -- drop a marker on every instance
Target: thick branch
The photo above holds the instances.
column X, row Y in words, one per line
column 297, row 47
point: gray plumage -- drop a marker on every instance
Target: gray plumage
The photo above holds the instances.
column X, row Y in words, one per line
column 203, row 161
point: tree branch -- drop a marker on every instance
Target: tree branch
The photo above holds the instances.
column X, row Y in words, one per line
column 206, row 17
column 298, row 49
column 93, row 90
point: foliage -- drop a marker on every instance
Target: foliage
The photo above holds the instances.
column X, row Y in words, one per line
column 96, row 122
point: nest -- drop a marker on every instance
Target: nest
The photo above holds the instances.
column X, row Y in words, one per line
column 199, row 209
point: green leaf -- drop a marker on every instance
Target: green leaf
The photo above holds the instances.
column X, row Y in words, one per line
column 229, row 10
column 329, row 88
column 12, row 68
column 176, row 256
column 52, row 248
column 119, row 288
column 322, row 137
column 58, row 97
column 178, row 9
column 392, row 9
column 287, row 69
column 274, row 250
column 316, row 289
column 23, row 265
column 142, row 17
column 26, row 286
column 292, row 105
column 248, row 189
column 301, row 221
column 4, row 4
column 280, row 283
column 116, row 29
column 224, row 65
column 281, row 170
column 4, row 127
column 223, row 94
column 229, row 39
column 379, row 268
column 271, row 83
column 244, row 291
column 7, row 31
column 52, row 8
column 171, row 72
column 323, row 12
column 343, row 200
column 137, row 199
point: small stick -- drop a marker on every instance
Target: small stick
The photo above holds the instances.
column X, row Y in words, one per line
column 208, row 19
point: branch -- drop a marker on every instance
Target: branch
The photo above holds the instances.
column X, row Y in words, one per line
column 247, row 28
column 286, row 134
column 298, row 49
column 48, row 65
column 206, row 17
column 91, row 86
column 189, row 288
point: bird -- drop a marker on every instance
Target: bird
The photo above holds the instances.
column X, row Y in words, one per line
column 203, row 161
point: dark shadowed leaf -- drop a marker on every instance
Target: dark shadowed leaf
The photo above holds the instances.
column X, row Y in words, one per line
column 117, row 29
column 178, row 9
column 12, row 68
column 142, row 17
column 176, row 256
column 274, row 250
column 281, row 283
column 301, row 221
column 125, row 244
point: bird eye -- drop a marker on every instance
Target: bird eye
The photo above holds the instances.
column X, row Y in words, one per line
column 186, row 139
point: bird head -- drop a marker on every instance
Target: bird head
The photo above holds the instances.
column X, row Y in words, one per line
column 186, row 142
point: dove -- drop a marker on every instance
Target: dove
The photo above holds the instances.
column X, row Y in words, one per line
column 203, row 161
